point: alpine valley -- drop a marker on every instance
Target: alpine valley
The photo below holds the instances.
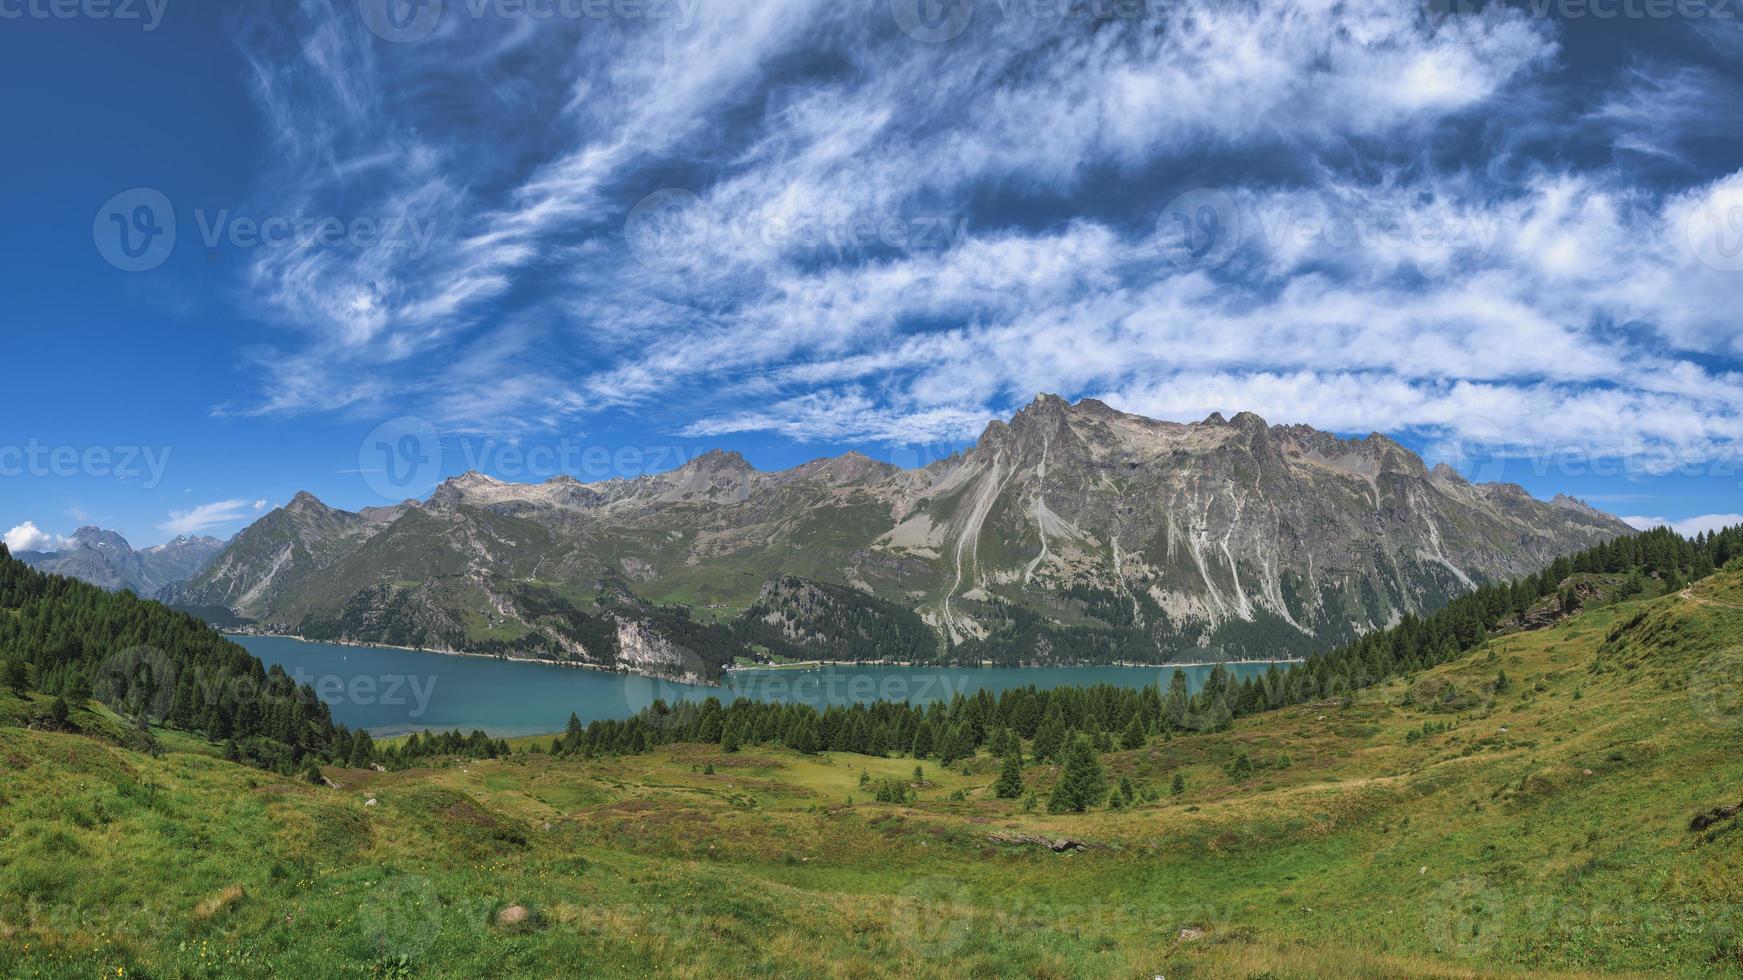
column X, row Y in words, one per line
column 1071, row 534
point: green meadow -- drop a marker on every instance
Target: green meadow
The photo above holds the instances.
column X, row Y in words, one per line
column 1527, row 808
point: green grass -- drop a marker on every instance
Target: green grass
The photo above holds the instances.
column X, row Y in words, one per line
column 1543, row 828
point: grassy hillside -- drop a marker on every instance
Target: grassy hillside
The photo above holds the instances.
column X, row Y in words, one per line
column 1442, row 824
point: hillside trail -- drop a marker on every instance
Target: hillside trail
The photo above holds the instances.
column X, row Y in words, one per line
column 1689, row 594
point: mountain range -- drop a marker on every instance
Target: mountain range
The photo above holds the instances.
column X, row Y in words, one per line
column 105, row 559
column 1073, row 532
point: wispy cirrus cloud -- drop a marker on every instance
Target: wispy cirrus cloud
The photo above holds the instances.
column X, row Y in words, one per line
column 1386, row 250
column 206, row 516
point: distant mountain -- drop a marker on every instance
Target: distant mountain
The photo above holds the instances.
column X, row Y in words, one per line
column 105, row 559
column 1072, row 532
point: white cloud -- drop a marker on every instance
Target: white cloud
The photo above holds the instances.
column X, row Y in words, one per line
column 198, row 519
column 898, row 127
column 28, row 537
column 1538, row 309
column 1414, row 305
column 850, row 416
column 1688, row 526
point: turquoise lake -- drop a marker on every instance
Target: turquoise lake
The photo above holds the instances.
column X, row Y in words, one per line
column 392, row 692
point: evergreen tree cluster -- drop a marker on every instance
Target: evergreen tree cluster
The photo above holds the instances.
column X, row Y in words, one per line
column 156, row 665
column 948, row 731
column 430, row 745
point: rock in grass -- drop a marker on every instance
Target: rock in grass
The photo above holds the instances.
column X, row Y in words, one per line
column 1718, row 814
column 223, row 901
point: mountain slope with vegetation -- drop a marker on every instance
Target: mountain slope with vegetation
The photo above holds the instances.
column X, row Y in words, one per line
column 1072, row 533
column 1562, row 801
column 74, row 641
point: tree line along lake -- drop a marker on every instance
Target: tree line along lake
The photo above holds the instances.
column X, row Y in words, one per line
column 391, row 691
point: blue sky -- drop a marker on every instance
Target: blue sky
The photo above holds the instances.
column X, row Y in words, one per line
column 602, row 237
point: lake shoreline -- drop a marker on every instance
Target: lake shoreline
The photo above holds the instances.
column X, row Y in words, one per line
column 800, row 665
column 393, row 690
column 510, row 658
column 993, row 665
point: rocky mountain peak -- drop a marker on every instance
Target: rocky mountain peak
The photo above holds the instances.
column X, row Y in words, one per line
column 1575, row 504
column 1042, row 415
column 718, row 461
column 1094, row 406
column 471, row 480
column 455, row 490
column 851, row 467
column 91, row 536
column 1442, row 473
column 305, row 502
column 183, row 542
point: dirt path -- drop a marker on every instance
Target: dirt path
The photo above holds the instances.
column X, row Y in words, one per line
column 1689, row 594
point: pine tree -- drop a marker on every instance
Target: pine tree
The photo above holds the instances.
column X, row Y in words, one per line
column 1175, row 707
column 76, row 688
column 951, row 745
column 879, row 742
column 17, row 675
column 1050, row 737
column 1241, row 768
column 362, row 751
column 1010, row 784
column 1134, row 736
column 996, row 744
column 1178, row 785
column 802, row 737
column 923, row 741
column 1082, row 784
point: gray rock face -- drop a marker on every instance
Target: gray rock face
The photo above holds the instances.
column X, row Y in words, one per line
column 644, row 649
column 1071, row 531
column 1222, row 523
column 105, row 559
